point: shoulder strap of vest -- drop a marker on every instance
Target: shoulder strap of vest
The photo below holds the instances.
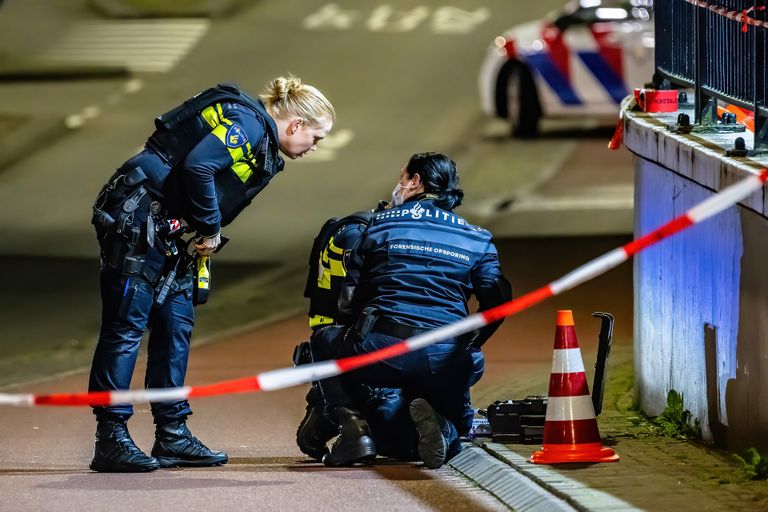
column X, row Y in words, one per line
column 194, row 105
column 330, row 228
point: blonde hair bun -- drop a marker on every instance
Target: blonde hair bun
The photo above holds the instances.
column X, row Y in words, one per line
column 281, row 88
column 289, row 96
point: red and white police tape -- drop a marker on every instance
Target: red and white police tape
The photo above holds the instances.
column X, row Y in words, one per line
column 287, row 377
column 740, row 16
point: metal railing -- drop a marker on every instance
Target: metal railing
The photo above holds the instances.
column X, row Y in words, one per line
column 719, row 48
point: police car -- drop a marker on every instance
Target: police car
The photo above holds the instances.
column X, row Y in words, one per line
column 581, row 60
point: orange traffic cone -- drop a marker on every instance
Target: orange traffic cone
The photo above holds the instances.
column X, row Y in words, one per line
column 570, row 427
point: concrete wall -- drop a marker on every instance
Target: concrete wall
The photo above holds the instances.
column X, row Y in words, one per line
column 701, row 297
column 746, row 395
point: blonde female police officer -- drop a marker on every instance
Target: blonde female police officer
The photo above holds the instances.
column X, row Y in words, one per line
column 205, row 162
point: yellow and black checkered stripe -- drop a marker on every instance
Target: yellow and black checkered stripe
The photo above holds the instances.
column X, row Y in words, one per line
column 332, row 271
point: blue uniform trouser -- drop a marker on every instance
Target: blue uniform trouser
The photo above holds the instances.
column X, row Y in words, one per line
column 391, row 422
column 440, row 374
column 128, row 310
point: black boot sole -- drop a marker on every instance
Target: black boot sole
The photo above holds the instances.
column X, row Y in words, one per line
column 313, row 454
column 107, row 468
column 365, row 453
column 432, row 444
column 173, row 462
column 366, row 460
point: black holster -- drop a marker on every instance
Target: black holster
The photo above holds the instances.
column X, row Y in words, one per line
column 120, row 216
column 365, row 322
column 302, row 354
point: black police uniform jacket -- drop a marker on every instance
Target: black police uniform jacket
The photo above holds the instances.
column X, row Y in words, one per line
column 418, row 265
column 210, row 156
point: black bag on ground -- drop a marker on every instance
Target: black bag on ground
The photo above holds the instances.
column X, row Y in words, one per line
column 518, row 421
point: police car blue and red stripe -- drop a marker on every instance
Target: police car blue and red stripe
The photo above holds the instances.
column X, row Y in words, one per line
column 579, row 61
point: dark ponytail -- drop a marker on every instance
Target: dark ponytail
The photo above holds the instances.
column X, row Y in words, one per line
column 439, row 176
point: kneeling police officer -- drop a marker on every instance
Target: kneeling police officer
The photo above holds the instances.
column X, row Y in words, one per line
column 414, row 270
column 205, row 162
column 327, row 268
column 382, row 408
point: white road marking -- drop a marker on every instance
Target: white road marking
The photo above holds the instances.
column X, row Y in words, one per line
column 331, row 16
column 142, row 46
column 452, row 20
column 386, row 19
column 75, row 121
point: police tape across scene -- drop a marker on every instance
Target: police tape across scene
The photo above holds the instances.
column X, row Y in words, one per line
column 287, row 377
column 740, row 16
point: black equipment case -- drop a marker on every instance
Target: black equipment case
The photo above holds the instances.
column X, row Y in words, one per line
column 518, row 421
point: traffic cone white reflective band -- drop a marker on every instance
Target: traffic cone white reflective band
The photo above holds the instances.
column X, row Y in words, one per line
column 567, row 361
column 570, row 408
column 570, row 427
column 282, row 378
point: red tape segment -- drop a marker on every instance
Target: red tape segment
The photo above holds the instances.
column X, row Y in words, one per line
column 286, row 377
column 95, row 398
column 658, row 235
column 228, row 387
column 351, row 363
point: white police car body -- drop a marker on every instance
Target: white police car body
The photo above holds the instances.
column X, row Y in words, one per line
column 579, row 61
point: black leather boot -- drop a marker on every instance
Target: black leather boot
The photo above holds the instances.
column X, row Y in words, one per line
column 354, row 443
column 115, row 451
column 175, row 446
column 315, row 430
column 433, row 446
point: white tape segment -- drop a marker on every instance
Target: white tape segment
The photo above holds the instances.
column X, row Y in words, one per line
column 453, row 330
column 8, row 399
column 725, row 199
column 150, row 395
column 287, row 377
column 592, row 269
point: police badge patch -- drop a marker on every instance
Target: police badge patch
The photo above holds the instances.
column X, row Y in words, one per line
column 235, row 137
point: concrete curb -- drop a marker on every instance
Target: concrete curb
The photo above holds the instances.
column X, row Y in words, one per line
column 200, row 9
column 504, row 482
column 576, row 494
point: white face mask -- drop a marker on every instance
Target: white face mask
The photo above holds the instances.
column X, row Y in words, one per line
column 397, row 197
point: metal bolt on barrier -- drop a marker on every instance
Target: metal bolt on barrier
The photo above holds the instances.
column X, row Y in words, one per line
column 739, row 148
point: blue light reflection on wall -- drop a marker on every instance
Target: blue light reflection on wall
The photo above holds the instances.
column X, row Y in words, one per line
column 681, row 284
